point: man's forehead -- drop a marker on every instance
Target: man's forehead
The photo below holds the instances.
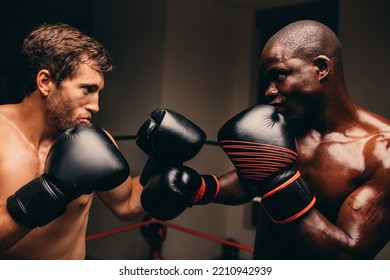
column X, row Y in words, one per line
column 87, row 68
column 88, row 74
column 275, row 53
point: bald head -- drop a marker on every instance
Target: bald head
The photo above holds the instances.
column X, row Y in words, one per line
column 308, row 39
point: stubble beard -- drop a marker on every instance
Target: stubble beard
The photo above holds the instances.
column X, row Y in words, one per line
column 59, row 111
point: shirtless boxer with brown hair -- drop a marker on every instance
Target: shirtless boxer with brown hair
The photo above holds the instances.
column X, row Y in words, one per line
column 45, row 189
column 318, row 163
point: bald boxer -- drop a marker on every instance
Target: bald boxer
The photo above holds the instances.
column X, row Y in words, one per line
column 317, row 162
column 51, row 157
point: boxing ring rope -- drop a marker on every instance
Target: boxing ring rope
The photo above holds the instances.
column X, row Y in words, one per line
column 117, row 230
column 174, row 226
column 208, row 236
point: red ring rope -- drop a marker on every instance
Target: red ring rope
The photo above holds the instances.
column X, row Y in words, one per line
column 174, row 226
column 208, row 236
column 117, row 230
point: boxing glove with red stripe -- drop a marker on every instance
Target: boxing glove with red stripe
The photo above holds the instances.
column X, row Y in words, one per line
column 261, row 146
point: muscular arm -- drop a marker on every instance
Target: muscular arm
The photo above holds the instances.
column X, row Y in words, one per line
column 11, row 232
column 363, row 223
column 124, row 201
column 231, row 190
column 359, row 231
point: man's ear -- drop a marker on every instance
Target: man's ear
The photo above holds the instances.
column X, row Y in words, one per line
column 44, row 82
column 322, row 63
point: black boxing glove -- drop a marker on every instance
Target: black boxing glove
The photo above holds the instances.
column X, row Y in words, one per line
column 81, row 160
column 170, row 191
column 169, row 139
column 261, row 146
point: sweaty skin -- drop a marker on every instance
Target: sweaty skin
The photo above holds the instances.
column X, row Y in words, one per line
column 343, row 153
column 349, row 178
column 343, row 157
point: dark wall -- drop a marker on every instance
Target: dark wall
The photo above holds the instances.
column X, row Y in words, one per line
column 17, row 18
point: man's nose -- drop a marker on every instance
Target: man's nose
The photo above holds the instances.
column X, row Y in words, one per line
column 271, row 90
column 93, row 104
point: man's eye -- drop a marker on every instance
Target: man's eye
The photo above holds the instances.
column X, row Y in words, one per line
column 277, row 76
column 280, row 77
column 89, row 89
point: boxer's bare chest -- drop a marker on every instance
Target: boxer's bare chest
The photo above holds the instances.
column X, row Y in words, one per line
column 20, row 161
column 333, row 166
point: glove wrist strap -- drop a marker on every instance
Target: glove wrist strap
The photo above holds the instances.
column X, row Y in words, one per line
column 208, row 191
column 289, row 201
column 36, row 204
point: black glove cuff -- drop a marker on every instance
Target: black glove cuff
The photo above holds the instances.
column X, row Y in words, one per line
column 210, row 190
column 289, row 201
column 37, row 203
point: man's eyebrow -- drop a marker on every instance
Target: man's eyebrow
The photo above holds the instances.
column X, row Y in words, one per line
column 94, row 86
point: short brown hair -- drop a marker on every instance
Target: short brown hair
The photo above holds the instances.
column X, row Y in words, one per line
column 59, row 48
